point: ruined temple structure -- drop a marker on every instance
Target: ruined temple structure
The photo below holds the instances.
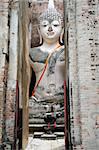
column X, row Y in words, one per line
column 81, row 94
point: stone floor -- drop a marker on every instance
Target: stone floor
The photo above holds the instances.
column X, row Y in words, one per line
column 42, row 144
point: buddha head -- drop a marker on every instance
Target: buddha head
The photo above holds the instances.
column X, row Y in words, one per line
column 51, row 24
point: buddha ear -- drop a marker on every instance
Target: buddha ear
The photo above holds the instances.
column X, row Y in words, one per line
column 62, row 36
column 41, row 39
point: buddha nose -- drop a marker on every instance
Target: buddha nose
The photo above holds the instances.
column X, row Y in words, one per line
column 50, row 29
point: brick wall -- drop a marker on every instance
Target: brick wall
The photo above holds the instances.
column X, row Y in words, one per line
column 3, row 53
column 83, row 48
column 8, row 70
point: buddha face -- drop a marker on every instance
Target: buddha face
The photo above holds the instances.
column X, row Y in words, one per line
column 50, row 30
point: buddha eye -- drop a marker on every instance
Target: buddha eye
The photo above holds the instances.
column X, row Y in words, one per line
column 44, row 25
column 56, row 25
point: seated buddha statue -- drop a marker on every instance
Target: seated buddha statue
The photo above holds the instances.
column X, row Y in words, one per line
column 47, row 60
